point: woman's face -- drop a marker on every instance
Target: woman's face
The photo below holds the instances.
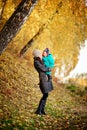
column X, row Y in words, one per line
column 44, row 54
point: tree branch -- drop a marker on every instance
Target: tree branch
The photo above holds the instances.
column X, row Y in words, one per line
column 15, row 22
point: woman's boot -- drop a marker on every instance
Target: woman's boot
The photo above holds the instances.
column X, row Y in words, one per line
column 42, row 111
column 39, row 109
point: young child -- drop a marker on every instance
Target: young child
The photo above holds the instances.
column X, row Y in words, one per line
column 48, row 61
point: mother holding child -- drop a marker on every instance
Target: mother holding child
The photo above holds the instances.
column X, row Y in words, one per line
column 43, row 63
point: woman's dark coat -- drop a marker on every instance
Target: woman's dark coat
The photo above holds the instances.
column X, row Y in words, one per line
column 45, row 85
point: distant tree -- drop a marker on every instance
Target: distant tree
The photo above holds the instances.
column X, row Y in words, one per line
column 31, row 41
column 15, row 22
column 45, row 25
column 2, row 9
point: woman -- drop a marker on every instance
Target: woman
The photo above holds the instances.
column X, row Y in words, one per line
column 45, row 85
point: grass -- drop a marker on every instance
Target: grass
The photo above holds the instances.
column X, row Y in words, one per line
column 19, row 100
column 54, row 120
column 72, row 88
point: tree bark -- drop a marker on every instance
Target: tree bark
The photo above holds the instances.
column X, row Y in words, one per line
column 15, row 22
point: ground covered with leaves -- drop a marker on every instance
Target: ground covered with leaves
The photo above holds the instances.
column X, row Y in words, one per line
column 66, row 106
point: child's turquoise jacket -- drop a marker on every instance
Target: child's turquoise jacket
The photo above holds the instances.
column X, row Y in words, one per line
column 48, row 62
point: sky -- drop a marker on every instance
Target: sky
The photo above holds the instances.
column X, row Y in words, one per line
column 81, row 66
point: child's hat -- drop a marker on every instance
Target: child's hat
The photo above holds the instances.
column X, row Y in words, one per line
column 47, row 50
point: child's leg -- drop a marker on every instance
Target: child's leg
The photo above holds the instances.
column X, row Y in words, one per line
column 49, row 77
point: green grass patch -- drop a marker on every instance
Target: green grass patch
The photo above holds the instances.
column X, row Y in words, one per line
column 10, row 124
column 76, row 90
column 72, row 88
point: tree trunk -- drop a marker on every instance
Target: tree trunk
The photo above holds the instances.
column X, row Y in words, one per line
column 13, row 25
